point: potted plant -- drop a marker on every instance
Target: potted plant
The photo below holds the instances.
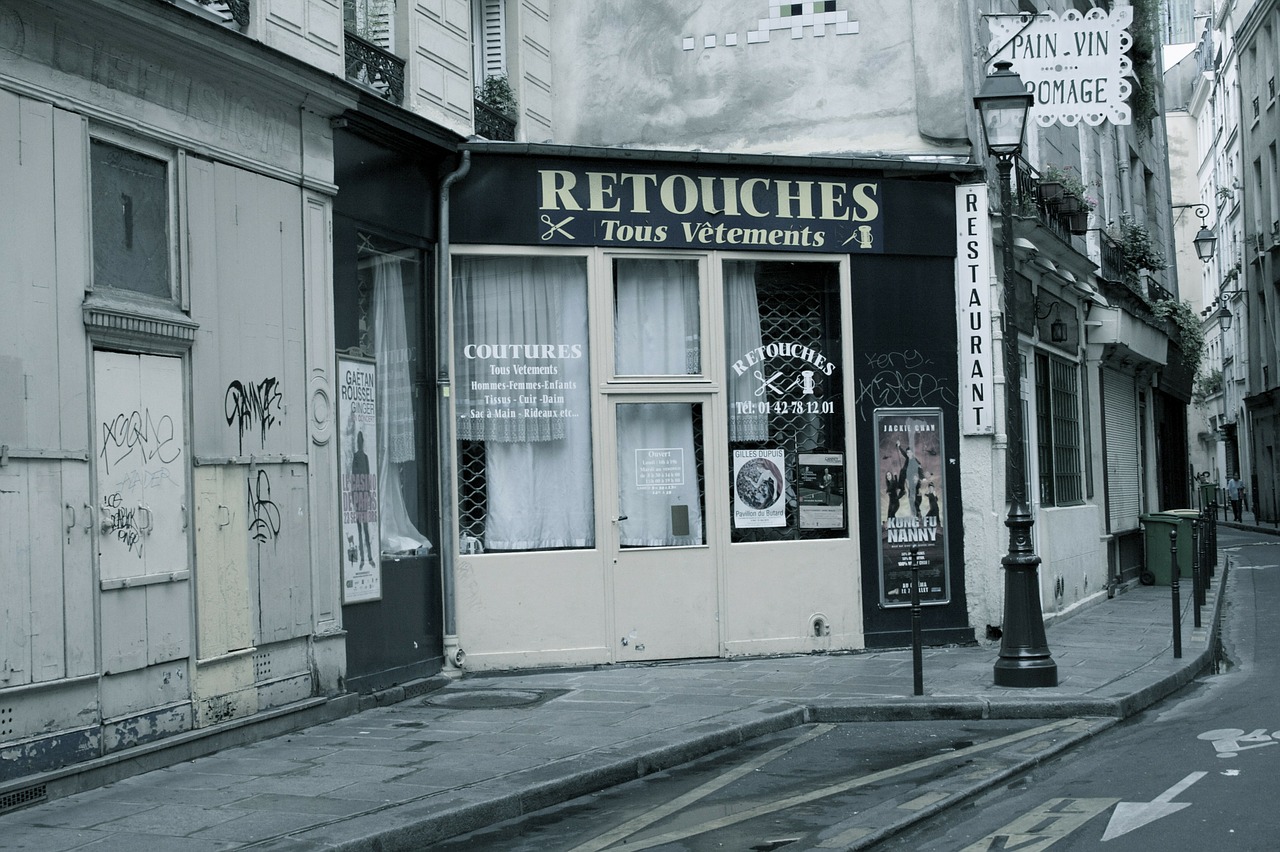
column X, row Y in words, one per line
column 1137, row 249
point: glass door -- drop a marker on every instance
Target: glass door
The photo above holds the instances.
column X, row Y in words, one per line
column 665, row 585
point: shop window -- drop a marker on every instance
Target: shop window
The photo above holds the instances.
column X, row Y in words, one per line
column 389, row 333
column 786, row 405
column 523, row 403
column 656, row 318
column 130, row 213
column 1058, row 432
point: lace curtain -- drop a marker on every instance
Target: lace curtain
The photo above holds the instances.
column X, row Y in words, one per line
column 657, row 332
column 395, row 405
column 521, row 334
column 748, row 403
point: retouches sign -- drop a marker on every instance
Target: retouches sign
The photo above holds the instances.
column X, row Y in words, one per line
column 1074, row 64
column 650, row 205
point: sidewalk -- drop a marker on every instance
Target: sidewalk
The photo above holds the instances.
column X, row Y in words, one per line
column 487, row 748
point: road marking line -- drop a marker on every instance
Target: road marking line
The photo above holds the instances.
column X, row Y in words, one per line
column 834, row 789
column 1131, row 815
column 1041, row 827
column 921, row 802
column 698, row 793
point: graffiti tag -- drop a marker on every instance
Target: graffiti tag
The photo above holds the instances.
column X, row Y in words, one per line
column 120, row 522
column 138, row 431
column 264, row 514
column 249, row 406
column 899, row 382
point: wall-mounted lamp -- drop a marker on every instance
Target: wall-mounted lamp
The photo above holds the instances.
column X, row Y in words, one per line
column 1205, row 240
column 1057, row 328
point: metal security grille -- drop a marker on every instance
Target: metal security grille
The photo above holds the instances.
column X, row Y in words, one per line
column 472, row 504
column 1058, row 431
column 22, row 798
column 796, row 308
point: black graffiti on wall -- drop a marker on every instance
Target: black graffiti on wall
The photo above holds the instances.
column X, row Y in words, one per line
column 138, row 432
column 264, row 514
column 249, row 406
column 901, row 380
column 120, row 522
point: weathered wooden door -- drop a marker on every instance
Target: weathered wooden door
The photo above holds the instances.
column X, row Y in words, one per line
column 142, row 504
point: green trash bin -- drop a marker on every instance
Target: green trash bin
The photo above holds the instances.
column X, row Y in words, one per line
column 1159, row 557
column 1208, row 495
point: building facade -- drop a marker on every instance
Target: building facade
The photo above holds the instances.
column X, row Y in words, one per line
column 321, row 394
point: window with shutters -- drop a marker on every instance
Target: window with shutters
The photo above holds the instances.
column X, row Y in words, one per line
column 489, row 51
column 1057, row 396
column 372, row 20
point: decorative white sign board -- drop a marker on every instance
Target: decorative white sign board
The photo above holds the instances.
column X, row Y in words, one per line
column 1075, row 64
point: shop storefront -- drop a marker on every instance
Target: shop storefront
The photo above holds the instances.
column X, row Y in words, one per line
column 702, row 406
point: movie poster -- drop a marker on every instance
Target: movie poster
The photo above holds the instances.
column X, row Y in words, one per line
column 912, row 489
column 358, row 477
column 759, row 488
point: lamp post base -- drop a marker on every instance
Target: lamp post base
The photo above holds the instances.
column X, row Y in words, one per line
column 1024, row 652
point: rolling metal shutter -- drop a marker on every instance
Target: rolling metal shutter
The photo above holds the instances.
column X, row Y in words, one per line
column 1121, row 450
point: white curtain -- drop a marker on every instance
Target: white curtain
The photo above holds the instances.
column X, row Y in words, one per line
column 522, row 321
column 395, row 406
column 655, row 318
column 656, row 332
column 748, row 412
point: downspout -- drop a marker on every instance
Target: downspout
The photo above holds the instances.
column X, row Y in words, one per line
column 453, row 654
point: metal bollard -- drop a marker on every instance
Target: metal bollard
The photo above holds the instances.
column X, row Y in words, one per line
column 1177, row 603
column 1197, row 559
column 917, row 654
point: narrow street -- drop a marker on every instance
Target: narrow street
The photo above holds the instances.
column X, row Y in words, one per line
column 1190, row 766
column 1197, row 771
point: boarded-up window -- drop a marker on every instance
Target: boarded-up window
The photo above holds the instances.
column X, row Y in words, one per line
column 130, row 220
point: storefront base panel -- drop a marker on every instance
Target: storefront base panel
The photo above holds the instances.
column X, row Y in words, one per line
column 929, row 638
column 812, row 606
column 532, row 609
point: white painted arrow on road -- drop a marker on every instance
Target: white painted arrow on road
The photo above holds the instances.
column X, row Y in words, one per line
column 1131, row 815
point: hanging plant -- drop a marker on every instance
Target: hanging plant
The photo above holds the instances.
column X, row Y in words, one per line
column 1071, row 182
column 1190, row 333
column 1137, row 248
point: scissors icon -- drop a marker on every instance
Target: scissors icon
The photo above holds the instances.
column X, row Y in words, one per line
column 768, row 384
column 554, row 228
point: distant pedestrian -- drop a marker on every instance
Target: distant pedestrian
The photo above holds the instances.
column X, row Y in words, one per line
column 1235, row 493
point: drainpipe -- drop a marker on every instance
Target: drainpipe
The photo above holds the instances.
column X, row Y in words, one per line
column 453, row 654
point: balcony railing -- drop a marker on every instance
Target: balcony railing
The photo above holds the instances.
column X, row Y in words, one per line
column 375, row 68
column 494, row 125
column 229, row 12
column 1052, row 213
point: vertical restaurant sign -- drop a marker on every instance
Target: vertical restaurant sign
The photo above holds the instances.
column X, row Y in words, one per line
column 911, row 506
column 759, row 488
column 973, row 274
column 358, row 475
column 1074, row 64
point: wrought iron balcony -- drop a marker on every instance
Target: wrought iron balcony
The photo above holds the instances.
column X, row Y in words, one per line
column 230, row 12
column 375, row 68
column 494, row 125
column 1053, row 212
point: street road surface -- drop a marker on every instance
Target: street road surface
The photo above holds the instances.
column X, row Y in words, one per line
column 1199, row 771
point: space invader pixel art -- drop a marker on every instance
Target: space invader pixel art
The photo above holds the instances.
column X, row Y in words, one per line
column 812, row 15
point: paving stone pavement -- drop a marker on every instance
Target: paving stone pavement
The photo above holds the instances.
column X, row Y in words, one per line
column 481, row 749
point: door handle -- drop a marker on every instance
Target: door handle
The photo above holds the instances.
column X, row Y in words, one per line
column 150, row 520
column 622, row 517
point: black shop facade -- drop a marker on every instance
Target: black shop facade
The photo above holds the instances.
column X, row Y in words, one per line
column 701, row 406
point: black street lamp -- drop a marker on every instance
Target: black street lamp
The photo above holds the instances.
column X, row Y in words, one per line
column 1024, row 659
column 1205, row 240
